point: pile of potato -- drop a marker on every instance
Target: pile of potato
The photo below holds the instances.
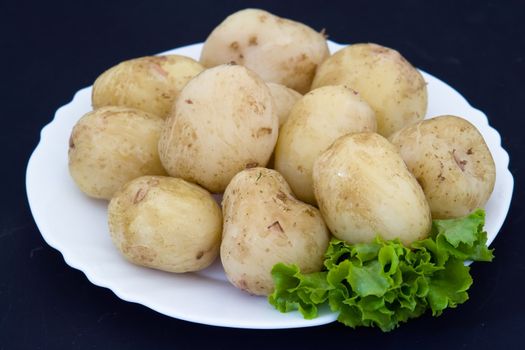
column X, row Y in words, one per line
column 352, row 157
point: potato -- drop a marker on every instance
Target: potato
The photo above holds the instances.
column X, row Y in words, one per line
column 165, row 223
column 223, row 121
column 284, row 99
column 315, row 122
column 148, row 83
column 364, row 189
column 394, row 89
column 264, row 225
column 279, row 50
column 111, row 146
column 452, row 163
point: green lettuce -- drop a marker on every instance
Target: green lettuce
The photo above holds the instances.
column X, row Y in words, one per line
column 385, row 283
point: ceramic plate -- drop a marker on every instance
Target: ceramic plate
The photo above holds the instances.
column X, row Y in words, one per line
column 76, row 225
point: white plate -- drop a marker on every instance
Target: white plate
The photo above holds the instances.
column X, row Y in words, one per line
column 76, row 225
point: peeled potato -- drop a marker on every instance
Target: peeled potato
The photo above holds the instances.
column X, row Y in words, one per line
column 284, row 99
column 394, row 89
column 165, row 223
column 315, row 122
column 148, row 83
column 279, row 50
column 264, row 225
column 451, row 161
column 111, row 146
column 223, row 121
column 364, row 189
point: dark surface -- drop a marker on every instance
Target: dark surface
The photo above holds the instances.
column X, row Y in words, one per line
column 50, row 50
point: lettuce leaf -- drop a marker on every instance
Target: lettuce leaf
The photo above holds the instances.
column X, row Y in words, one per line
column 384, row 283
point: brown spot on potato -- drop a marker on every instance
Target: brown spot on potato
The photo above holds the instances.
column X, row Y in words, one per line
column 188, row 101
column 469, row 152
column 263, row 131
column 199, row 255
column 276, row 226
column 234, row 45
column 253, row 41
column 139, row 196
column 71, row 142
column 281, row 196
column 461, row 163
column 310, row 212
column 242, row 284
column 142, row 255
column 262, row 18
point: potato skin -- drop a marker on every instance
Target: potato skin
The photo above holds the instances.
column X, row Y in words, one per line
column 165, row 223
column 394, row 89
column 148, row 83
column 263, row 225
column 111, row 146
column 452, row 163
column 315, row 122
column 364, row 189
column 279, row 50
column 284, row 99
column 223, row 121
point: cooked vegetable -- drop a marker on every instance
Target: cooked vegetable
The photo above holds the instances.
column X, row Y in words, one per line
column 148, row 83
column 111, row 146
column 314, row 123
column 263, row 225
column 224, row 121
column 363, row 188
column 394, row 89
column 284, row 99
column 384, row 283
column 279, row 50
column 165, row 223
column 452, row 163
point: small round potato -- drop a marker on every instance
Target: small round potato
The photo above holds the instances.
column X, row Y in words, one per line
column 284, row 99
column 223, row 121
column 264, row 225
column 279, row 50
column 165, row 223
column 394, row 89
column 148, row 83
column 364, row 189
column 111, row 146
column 452, row 163
column 315, row 122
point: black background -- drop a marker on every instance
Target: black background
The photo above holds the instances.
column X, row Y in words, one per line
column 49, row 50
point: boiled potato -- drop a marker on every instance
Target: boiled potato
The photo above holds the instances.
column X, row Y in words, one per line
column 284, row 99
column 315, row 122
column 111, row 146
column 394, row 89
column 452, row 163
column 264, row 225
column 279, row 50
column 364, row 189
column 223, row 121
column 148, row 83
column 165, row 223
